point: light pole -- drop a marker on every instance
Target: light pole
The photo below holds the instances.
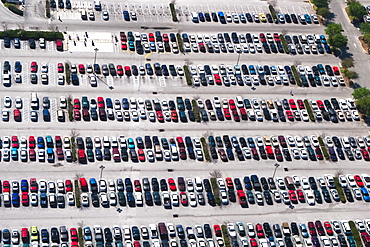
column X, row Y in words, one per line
column 96, row 52
column 276, row 167
column 101, row 171
column 237, row 61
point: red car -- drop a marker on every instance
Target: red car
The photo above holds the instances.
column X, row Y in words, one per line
column 151, row 37
column 74, row 244
column 320, row 104
column 300, row 104
column 289, row 115
column 32, row 154
column 137, row 244
column 232, row 104
column 123, row 36
column 336, row 70
column 124, row 45
column 270, row 152
column 17, row 115
column 301, row 196
column 128, row 70
column 172, row 184
column 25, row 199
column 276, row 37
column 81, row 68
column 229, row 183
column 81, row 155
column 101, row 103
column 242, row 198
column 6, row 186
column 262, row 38
column 76, row 104
column 74, row 235
column 15, row 142
column 253, row 242
column 180, row 141
column 293, row 196
column 160, row 116
column 33, row 185
column 217, row 79
column 34, row 67
column 141, row 154
column 31, row 142
column 77, row 115
column 25, row 234
column 227, row 114
column 137, row 185
column 217, row 230
column 165, row 37
column 243, row 112
column 69, row 186
column 184, row 199
column 292, row 104
column 60, row 68
column 311, row 228
column 119, row 70
column 365, row 154
column 174, row 116
column 328, row 228
column 235, row 115
column 359, row 181
column 259, row 230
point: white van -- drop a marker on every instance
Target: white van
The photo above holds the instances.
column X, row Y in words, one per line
column 194, row 17
column 198, row 184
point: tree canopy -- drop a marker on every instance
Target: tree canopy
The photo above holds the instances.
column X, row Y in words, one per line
column 333, row 28
column 361, row 92
column 356, row 10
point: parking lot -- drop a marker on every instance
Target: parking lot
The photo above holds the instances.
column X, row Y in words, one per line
column 224, row 129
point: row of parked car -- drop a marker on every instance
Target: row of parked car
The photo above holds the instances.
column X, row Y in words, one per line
column 312, row 233
column 225, row 17
column 252, row 190
column 225, row 148
column 31, row 43
column 151, row 42
column 216, row 109
column 255, row 43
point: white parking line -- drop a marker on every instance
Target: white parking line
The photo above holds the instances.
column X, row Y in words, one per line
column 53, row 109
column 162, row 82
column 26, row 110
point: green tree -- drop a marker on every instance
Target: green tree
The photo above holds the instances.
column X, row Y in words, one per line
column 321, row 3
column 365, row 27
column 350, row 74
column 363, row 105
column 333, row 28
column 347, row 62
column 356, row 10
column 367, row 38
column 338, row 41
column 361, row 92
column 324, row 12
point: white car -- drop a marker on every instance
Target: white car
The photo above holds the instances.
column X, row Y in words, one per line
column 105, row 15
column 192, row 199
column 7, row 102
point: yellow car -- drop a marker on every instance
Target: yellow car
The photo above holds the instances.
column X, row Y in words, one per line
column 262, row 17
column 34, row 233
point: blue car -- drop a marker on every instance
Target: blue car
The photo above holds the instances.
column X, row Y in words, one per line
column 24, row 185
column 365, row 194
column 18, row 67
column 40, row 142
column 126, row 15
column 323, row 39
column 14, row 154
column 109, row 103
column 15, row 199
column 252, row 70
column 307, row 17
column 131, row 143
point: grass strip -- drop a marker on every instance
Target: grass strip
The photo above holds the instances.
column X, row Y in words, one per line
column 309, row 110
column 339, row 188
column 296, row 76
column 180, row 43
column 323, row 148
column 226, row 236
column 68, row 73
column 216, row 191
column 284, row 44
column 173, row 12
column 355, row 233
column 205, row 149
column 187, row 75
column 77, row 194
column 80, row 237
column 195, row 110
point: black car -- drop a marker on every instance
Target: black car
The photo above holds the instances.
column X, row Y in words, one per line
column 348, row 194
